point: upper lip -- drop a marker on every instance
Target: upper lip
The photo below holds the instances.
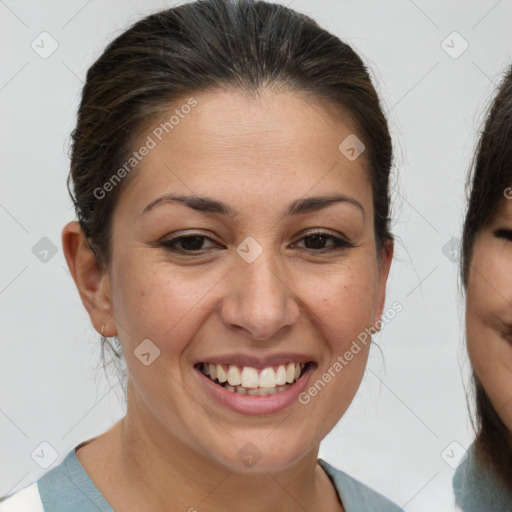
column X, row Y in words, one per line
column 257, row 361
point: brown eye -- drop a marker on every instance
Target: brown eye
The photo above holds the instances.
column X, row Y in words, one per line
column 317, row 242
column 185, row 244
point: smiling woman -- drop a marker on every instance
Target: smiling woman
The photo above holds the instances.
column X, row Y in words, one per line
column 234, row 263
column 483, row 482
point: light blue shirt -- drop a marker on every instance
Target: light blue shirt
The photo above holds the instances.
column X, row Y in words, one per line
column 476, row 489
column 68, row 487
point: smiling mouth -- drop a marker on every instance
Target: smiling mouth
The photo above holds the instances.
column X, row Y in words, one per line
column 249, row 381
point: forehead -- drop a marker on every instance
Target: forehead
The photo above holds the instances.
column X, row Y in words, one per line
column 277, row 143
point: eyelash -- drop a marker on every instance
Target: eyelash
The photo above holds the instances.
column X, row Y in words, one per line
column 338, row 243
column 504, row 233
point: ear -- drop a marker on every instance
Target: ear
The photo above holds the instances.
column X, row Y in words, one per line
column 383, row 266
column 91, row 278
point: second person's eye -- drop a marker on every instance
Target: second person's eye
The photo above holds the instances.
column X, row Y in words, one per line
column 504, row 233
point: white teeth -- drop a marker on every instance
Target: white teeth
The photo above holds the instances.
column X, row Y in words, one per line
column 268, row 378
column 250, row 379
column 221, row 374
column 290, row 373
column 234, row 376
column 266, row 392
column 260, row 392
column 281, row 375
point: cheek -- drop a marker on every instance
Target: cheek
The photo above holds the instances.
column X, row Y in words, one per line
column 481, row 306
column 489, row 292
column 153, row 300
column 489, row 321
column 490, row 278
column 169, row 304
column 343, row 302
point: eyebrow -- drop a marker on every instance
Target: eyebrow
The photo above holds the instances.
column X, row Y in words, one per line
column 209, row 205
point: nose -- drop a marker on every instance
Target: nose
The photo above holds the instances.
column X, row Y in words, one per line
column 258, row 300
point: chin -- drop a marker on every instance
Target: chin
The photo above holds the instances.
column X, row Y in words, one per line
column 258, row 455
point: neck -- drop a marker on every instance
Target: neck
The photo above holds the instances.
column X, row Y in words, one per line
column 162, row 472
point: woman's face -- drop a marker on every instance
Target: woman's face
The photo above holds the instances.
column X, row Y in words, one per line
column 253, row 288
column 489, row 310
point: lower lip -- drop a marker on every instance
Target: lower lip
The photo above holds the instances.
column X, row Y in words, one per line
column 254, row 405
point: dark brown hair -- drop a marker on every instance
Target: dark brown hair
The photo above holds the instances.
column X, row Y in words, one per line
column 202, row 46
column 488, row 182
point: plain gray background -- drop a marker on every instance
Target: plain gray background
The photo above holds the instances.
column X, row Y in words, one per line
column 411, row 405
